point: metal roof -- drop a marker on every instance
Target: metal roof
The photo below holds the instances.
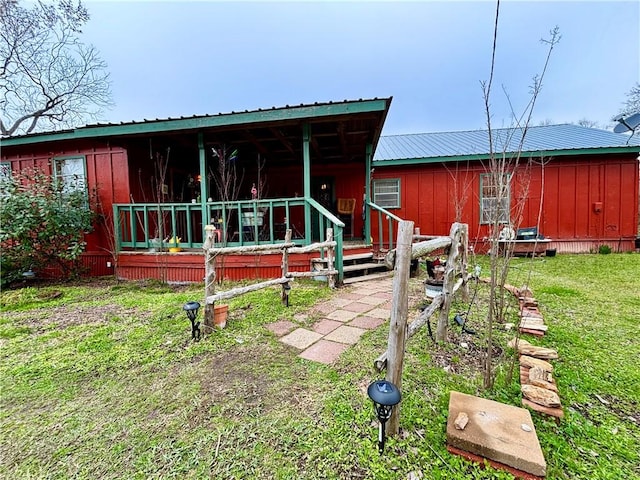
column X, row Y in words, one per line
column 288, row 113
column 451, row 146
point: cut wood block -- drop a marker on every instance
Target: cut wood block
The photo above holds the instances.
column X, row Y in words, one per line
column 530, row 362
column 554, row 412
column 541, row 396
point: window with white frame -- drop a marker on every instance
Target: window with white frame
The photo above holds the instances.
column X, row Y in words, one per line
column 5, row 177
column 71, row 173
column 386, row 192
column 495, row 197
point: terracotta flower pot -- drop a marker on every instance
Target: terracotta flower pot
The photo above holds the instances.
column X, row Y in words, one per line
column 220, row 315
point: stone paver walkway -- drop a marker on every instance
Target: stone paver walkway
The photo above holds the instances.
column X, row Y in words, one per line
column 343, row 320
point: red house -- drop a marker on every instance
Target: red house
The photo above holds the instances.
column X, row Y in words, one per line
column 255, row 174
column 577, row 185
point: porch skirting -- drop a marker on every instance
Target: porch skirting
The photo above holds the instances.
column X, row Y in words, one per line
column 189, row 266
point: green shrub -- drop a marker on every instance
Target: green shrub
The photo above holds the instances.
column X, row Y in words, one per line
column 604, row 249
column 42, row 224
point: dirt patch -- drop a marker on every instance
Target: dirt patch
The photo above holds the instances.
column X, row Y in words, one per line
column 64, row 316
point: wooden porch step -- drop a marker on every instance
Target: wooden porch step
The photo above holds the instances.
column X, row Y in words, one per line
column 357, row 257
column 371, row 276
column 363, row 266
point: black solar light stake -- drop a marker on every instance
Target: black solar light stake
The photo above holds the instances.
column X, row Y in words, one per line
column 385, row 395
column 191, row 309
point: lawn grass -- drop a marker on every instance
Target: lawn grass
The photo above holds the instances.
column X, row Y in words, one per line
column 101, row 380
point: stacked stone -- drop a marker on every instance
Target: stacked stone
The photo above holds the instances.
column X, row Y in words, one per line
column 539, row 389
column 531, row 320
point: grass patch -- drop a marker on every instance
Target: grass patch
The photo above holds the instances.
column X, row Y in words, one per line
column 103, row 381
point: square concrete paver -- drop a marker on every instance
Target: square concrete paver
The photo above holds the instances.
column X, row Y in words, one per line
column 345, row 334
column 342, row 315
column 325, row 326
column 369, row 300
column 357, row 307
column 364, row 291
column 301, row 338
column 366, row 322
column 382, row 313
column 496, row 431
column 385, row 295
column 350, row 296
column 281, row 327
column 324, row 351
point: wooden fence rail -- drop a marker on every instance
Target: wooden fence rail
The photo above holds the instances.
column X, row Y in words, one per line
column 456, row 277
column 287, row 247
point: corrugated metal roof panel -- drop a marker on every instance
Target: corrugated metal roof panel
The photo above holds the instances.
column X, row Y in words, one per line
column 507, row 140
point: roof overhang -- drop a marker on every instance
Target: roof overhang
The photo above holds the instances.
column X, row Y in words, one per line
column 527, row 154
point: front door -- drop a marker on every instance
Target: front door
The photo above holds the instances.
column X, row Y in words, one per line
column 323, row 192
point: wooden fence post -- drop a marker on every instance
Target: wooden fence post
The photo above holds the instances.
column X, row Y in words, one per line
column 399, row 313
column 209, row 276
column 285, row 268
column 449, row 281
column 331, row 277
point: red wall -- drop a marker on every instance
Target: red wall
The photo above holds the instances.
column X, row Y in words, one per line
column 106, row 169
column 573, row 189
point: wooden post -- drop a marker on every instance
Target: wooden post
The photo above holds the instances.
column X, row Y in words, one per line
column 464, row 259
column 399, row 312
column 330, row 277
column 285, row 268
column 449, row 282
column 209, row 276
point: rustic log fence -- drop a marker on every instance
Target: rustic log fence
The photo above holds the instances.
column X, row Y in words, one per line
column 455, row 277
column 287, row 247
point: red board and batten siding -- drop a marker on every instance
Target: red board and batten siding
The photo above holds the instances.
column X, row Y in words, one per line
column 588, row 200
column 106, row 170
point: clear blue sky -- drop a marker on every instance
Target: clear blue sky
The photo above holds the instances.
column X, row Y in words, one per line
column 185, row 58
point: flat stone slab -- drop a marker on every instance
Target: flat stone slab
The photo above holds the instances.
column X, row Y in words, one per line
column 496, row 431
column 342, row 315
column 301, row 338
column 381, row 313
column 357, row 307
column 369, row 300
column 345, row 334
column 367, row 322
column 281, row 328
column 326, row 326
column 324, row 351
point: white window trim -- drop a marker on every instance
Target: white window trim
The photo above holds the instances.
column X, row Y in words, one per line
column 375, row 194
column 57, row 176
column 485, row 211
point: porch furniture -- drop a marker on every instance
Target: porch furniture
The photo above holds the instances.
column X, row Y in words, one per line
column 346, row 207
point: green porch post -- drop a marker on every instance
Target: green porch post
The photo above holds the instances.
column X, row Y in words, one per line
column 204, row 194
column 306, row 162
column 367, row 193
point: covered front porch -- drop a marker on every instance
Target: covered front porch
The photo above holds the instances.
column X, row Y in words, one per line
column 253, row 176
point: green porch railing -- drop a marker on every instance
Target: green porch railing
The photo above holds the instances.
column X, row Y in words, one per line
column 152, row 226
column 390, row 217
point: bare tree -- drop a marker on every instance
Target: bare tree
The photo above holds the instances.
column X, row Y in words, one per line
column 504, row 159
column 632, row 103
column 48, row 77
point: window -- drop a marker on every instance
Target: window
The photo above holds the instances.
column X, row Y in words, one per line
column 70, row 172
column 5, row 177
column 386, row 193
column 495, row 197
